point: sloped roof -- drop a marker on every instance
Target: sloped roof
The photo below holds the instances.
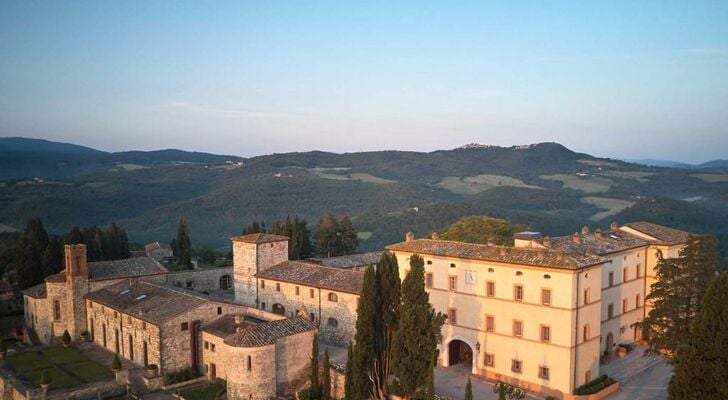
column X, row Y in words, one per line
column 662, row 234
column 258, row 238
column 510, row 255
column 314, row 275
column 350, row 261
column 117, row 269
column 225, row 325
column 38, row 291
column 267, row 333
column 599, row 244
column 157, row 245
column 153, row 303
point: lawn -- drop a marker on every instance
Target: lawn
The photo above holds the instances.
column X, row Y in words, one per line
column 66, row 367
column 206, row 392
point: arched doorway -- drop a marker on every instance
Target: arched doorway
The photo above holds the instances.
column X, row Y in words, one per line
column 610, row 343
column 459, row 352
column 279, row 309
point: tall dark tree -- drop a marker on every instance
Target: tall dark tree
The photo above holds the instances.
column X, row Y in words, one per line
column 414, row 345
column 348, row 238
column 326, row 235
column 701, row 364
column 676, row 294
column 388, row 291
column 314, row 373
column 326, row 377
column 348, row 378
column 184, row 256
column 52, row 258
column 29, row 254
column 365, row 339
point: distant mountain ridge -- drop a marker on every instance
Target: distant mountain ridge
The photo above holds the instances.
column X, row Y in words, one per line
column 713, row 164
column 24, row 158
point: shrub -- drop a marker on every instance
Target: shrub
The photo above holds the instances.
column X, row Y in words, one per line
column 594, row 386
column 66, row 338
column 179, row 376
column 116, row 363
column 45, row 378
column 85, row 333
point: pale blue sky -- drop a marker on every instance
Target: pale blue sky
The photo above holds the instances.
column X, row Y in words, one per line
column 622, row 79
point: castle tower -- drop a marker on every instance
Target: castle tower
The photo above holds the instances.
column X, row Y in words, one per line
column 76, row 288
column 251, row 254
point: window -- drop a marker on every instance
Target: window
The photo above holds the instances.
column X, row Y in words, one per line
column 333, row 297
column 518, row 328
column 219, row 310
column 298, row 290
column 313, row 317
column 545, row 334
column 262, row 284
column 188, row 284
column 452, row 316
column 610, row 311
column 489, row 323
column 611, row 279
column 489, row 360
column 586, row 333
column 206, row 345
column 278, row 287
column 428, row 280
column 226, row 282
column 453, row 283
column 516, row 366
column 56, row 310
column 587, row 296
column 490, row 289
column 624, row 306
column 250, row 363
column 332, row 322
column 639, row 270
column 637, row 300
column 429, row 262
column 262, row 305
column 625, row 274
column 518, row 293
column 587, row 377
column 543, row 372
column 212, row 347
column 546, row 297
column 185, row 326
column 144, row 326
column 310, row 293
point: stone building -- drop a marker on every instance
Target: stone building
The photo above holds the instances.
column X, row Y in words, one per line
column 252, row 254
column 161, row 252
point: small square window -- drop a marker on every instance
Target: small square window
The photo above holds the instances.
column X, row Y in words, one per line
column 489, row 360
column 516, row 366
column 185, row 326
column 543, row 372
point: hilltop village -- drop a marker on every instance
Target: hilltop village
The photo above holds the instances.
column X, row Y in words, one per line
column 539, row 315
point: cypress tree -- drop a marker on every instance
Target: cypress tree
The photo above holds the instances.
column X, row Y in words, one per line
column 348, row 380
column 701, row 364
column 326, row 238
column 305, row 247
column 414, row 345
column 29, row 254
column 314, row 374
column 364, row 348
column 347, row 236
column 75, row 236
column 388, row 290
column 52, row 258
column 326, row 378
column 183, row 245
column 469, row 390
column 676, row 294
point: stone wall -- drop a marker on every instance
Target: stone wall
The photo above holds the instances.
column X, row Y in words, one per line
column 201, row 279
column 251, row 258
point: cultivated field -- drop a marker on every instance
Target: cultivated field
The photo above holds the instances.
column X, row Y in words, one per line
column 356, row 176
column 480, row 183
column 712, row 178
column 639, row 176
column 589, row 184
column 609, row 205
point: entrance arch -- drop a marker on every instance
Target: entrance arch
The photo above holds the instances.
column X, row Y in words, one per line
column 279, row 309
column 459, row 352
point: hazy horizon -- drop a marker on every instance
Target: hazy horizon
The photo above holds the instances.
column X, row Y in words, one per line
column 633, row 80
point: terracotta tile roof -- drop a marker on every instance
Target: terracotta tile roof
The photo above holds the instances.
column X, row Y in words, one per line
column 128, row 267
column 59, row 277
column 601, row 244
column 350, row 261
column 267, row 333
column 662, row 234
column 314, row 275
column 38, row 291
column 258, row 238
column 225, row 325
column 510, row 255
column 146, row 301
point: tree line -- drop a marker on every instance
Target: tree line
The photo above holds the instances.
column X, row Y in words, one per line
column 38, row 254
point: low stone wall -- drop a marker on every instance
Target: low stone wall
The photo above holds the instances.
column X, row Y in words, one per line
column 595, row 396
column 90, row 392
column 173, row 386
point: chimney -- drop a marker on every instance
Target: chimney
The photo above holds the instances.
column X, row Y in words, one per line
column 409, row 237
column 614, row 226
column 503, row 250
column 238, row 329
column 559, row 255
column 585, row 230
column 598, row 233
column 76, row 264
column 575, row 237
column 435, row 236
column 238, row 319
column 546, row 241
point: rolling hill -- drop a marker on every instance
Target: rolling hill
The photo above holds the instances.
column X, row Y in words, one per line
column 545, row 186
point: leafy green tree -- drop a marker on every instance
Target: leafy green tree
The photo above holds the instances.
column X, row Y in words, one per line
column 365, row 337
column 183, row 245
column 314, row 374
column 414, row 345
column 481, row 229
column 206, row 254
column 326, row 378
column 469, row 390
column 501, row 391
column 676, row 294
column 701, row 364
column 326, row 235
column 348, row 238
column 348, row 378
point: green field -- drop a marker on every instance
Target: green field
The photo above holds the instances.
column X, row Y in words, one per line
column 480, row 183
column 639, row 176
column 589, row 184
column 356, row 176
column 598, row 163
column 205, row 392
column 712, row 178
column 609, row 206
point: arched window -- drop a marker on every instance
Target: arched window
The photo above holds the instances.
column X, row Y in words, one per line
column 226, row 282
column 333, row 297
column 333, row 322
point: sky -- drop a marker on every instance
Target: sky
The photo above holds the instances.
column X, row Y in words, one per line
column 625, row 79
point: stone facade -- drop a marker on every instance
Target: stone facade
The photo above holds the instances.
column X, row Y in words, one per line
column 252, row 254
column 203, row 280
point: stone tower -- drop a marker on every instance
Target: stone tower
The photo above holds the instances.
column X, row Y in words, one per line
column 251, row 254
column 76, row 288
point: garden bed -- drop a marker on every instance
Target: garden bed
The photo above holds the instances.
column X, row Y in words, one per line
column 66, row 367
